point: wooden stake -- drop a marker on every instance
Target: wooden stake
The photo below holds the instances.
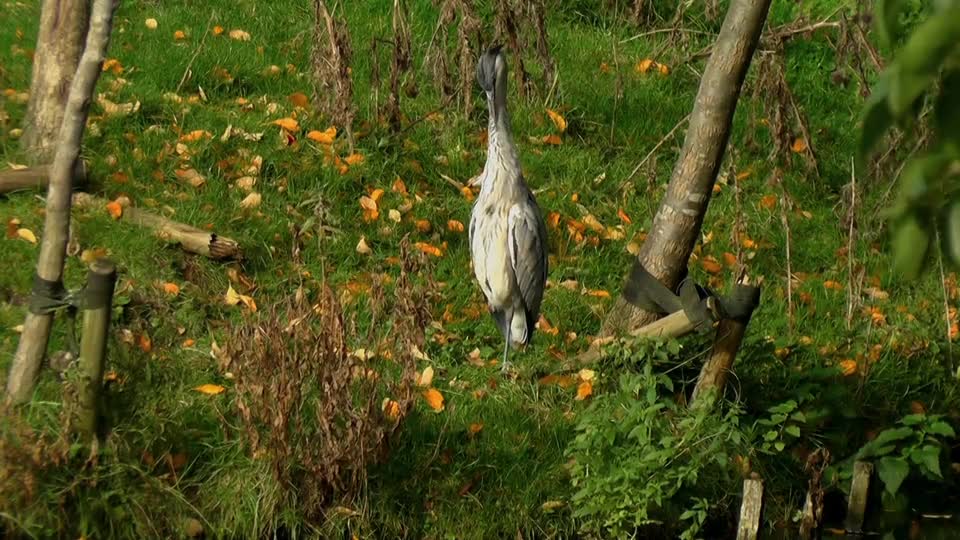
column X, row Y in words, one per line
column 750, row 509
column 859, row 488
column 56, row 227
column 189, row 238
column 713, row 374
column 93, row 342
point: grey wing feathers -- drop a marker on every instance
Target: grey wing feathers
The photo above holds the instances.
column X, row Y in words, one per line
column 528, row 256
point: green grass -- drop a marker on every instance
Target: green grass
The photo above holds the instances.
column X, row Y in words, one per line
column 441, row 482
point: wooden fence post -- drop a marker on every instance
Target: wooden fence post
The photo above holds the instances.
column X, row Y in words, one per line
column 97, row 308
column 859, row 488
column 750, row 509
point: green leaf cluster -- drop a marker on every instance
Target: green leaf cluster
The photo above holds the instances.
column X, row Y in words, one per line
column 926, row 69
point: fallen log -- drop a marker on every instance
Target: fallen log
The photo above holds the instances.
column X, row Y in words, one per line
column 36, row 178
column 190, row 239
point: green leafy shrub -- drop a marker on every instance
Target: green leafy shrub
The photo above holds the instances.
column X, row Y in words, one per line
column 641, row 460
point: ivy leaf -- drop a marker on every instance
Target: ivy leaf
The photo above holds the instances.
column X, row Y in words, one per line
column 941, row 428
column 893, row 471
column 887, row 15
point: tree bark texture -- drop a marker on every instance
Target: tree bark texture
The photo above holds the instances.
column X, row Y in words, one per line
column 676, row 226
column 56, row 226
column 63, row 28
column 36, row 177
column 101, row 280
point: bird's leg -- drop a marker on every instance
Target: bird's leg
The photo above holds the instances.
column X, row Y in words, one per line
column 505, row 366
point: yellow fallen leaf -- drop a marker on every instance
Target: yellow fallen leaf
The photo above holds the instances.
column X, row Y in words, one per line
column 288, row 124
column 597, row 293
column 27, row 234
column 584, row 390
column 323, row 137
column 114, row 209
column 353, row 159
column 663, row 69
column 232, row 298
column 434, row 399
column 151, row 24
column 558, row 120
column 422, row 225
column 112, row 64
column 455, row 226
column 210, row 389
column 190, row 176
column 217, row 30
column 363, row 248
column 179, row 35
column 394, row 215
column 251, row 201
column 587, row 374
column 195, row 135
column 376, row 195
column 239, row 35
column 426, row 377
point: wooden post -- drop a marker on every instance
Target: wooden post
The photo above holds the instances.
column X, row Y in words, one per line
column 750, row 509
column 859, row 488
column 56, row 226
column 808, row 521
column 713, row 375
column 37, row 177
column 97, row 308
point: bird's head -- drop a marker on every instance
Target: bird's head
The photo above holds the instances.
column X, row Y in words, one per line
column 492, row 71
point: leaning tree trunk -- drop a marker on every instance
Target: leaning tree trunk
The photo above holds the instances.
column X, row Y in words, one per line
column 56, row 227
column 63, row 28
column 676, row 226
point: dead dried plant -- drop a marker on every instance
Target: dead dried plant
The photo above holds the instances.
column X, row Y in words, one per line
column 320, row 414
column 400, row 66
column 462, row 15
column 508, row 17
column 331, row 56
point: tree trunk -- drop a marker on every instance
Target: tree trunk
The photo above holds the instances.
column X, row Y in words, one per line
column 56, row 226
column 676, row 227
column 63, row 27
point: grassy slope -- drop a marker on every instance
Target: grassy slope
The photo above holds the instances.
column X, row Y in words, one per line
column 516, row 462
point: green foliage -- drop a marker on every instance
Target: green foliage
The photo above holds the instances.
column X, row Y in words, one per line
column 640, row 459
column 927, row 204
column 913, row 446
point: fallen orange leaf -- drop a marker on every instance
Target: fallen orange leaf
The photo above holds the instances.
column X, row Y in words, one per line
column 644, row 65
column 553, row 219
column 768, row 201
column 455, row 226
column 217, row 30
column 584, row 390
column 834, row 285
column 391, row 408
column 434, row 399
column 323, row 137
column 598, row 293
column 210, row 389
column 171, row 288
column 178, row 35
column 399, row 186
column 114, row 209
column 710, row 264
column 144, row 342
column 195, row 135
column 663, row 69
column 354, row 159
column 288, row 124
column 423, row 225
column 558, row 120
column 729, row 258
column 848, row 367
column 428, row 249
column 475, row 428
column 189, row 342
column 799, row 145
column 552, row 139
column 623, row 216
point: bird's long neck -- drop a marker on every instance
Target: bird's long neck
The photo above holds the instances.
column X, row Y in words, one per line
column 501, row 151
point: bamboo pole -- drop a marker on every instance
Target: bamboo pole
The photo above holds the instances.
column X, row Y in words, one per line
column 97, row 308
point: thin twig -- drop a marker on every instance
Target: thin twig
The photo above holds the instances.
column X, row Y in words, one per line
column 785, row 221
column 664, row 30
column 196, row 53
column 446, row 102
column 851, row 215
column 655, row 148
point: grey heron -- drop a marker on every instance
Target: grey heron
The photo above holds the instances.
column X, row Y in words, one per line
column 508, row 238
